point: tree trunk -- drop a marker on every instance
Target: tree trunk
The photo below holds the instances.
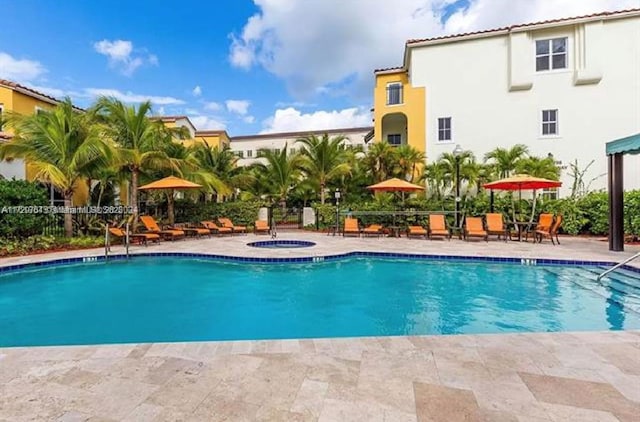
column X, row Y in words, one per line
column 533, row 205
column 322, row 196
column 170, row 208
column 68, row 217
column 134, row 198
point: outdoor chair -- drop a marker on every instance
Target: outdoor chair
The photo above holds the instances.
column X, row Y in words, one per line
column 372, row 230
column 551, row 232
column 215, row 229
column 544, row 224
column 228, row 223
column 473, row 228
column 261, row 227
column 351, row 227
column 191, row 231
column 496, row 226
column 140, row 238
column 438, row 226
column 152, row 227
column 416, row 231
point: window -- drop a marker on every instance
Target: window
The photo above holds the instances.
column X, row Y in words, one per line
column 394, row 93
column 1, row 108
column 249, row 153
column 276, row 151
column 550, row 193
column 240, row 154
column 549, row 122
column 292, row 151
column 394, row 139
column 444, row 129
column 40, row 110
column 551, row 54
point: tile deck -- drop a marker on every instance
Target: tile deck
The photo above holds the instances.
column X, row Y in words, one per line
column 589, row 376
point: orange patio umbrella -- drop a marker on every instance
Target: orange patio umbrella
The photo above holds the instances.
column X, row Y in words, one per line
column 522, row 181
column 170, row 184
column 395, row 185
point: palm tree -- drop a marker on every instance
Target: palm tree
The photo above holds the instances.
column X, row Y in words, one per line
column 63, row 146
column 324, row 160
column 468, row 168
column 505, row 160
column 223, row 163
column 545, row 168
column 408, row 161
column 380, row 160
column 281, row 173
column 137, row 139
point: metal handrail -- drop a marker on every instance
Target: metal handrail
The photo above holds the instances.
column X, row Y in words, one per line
column 618, row 265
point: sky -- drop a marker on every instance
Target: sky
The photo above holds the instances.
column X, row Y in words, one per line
column 245, row 66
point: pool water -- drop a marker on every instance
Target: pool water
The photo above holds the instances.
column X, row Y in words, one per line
column 178, row 299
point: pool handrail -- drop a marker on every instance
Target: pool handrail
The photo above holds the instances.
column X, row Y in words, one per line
column 618, row 265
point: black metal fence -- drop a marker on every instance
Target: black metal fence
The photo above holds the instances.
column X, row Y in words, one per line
column 285, row 218
column 84, row 224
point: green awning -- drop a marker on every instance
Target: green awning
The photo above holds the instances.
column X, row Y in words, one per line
column 628, row 145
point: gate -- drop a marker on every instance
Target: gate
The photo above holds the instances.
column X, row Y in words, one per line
column 285, row 218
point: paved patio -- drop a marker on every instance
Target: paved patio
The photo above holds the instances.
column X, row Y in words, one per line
column 591, row 376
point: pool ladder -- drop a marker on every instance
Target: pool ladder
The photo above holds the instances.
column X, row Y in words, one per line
column 618, row 265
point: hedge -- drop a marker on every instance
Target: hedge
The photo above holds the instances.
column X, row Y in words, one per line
column 240, row 212
column 14, row 193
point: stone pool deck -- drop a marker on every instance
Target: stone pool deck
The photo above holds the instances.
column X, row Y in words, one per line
column 591, row 376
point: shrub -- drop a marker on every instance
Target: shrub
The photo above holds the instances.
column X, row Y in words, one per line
column 240, row 212
column 15, row 193
column 595, row 206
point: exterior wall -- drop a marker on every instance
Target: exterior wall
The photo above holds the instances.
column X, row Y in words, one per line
column 413, row 107
column 13, row 169
column 490, row 89
column 239, row 144
column 219, row 139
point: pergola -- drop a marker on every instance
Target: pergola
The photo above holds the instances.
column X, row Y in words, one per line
column 615, row 152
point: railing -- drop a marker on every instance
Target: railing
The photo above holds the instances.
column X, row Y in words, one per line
column 618, row 265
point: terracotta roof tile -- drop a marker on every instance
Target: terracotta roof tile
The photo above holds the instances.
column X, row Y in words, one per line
column 30, row 91
column 523, row 25
column 5, row 135
column 388, row 68
column 168, row 118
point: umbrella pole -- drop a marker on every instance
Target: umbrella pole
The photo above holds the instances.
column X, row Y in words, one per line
column 491, row 200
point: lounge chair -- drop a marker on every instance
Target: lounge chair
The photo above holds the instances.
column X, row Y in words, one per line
column 351, row 227
column 261, row 227
column 215, row 229
column 551, row 232
column 496, row 226
column 140, row 238
column 372, row 230
column 416, row 231
column 192, row 231
column 473, row 228
column 227, row 223
column 438, row 226
column 152, row 227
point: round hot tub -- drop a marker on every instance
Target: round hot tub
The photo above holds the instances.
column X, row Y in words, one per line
column 281, row 244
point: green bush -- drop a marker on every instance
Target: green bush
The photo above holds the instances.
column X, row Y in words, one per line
column 325, row 215
column 16, row 193
column 595, row 206
column 240, row 212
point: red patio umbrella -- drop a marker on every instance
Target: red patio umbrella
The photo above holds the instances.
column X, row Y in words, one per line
column 522, row 181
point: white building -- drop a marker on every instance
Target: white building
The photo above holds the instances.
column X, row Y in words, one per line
column 563, row 87
column 247, row 147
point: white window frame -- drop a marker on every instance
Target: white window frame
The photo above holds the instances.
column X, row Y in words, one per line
column 240, row 154
column 249, row 153
column 450, row 129
column 556, row 134
column 401, row 91
column 1, row 111
column 550, row 55
column 37, row 109
column 399, row 135
column 550, row 193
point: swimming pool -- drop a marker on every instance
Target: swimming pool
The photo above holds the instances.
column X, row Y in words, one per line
column 153, row 299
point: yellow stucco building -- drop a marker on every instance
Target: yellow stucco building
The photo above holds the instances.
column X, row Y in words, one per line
column 20, row 99
column 399, row 109
column 219, row 138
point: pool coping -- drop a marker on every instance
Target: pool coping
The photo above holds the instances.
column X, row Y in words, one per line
column 313, row 259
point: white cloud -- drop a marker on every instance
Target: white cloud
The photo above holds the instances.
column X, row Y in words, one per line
column 123, row 57
column 345, row 47
column 129, row 97
column 248, row 119
column 240, row 107
column 19, row 69
column 207, row 123
column 197, row 91
column 292, row 120
column 212, row 106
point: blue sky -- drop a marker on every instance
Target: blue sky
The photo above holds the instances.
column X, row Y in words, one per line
column 248, row 67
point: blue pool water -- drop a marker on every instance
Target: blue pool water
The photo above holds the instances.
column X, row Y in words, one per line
column 174, row 299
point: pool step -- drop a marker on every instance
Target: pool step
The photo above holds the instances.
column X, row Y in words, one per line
column 625, row 288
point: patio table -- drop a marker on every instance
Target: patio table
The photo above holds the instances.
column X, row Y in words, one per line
column 523, row 226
